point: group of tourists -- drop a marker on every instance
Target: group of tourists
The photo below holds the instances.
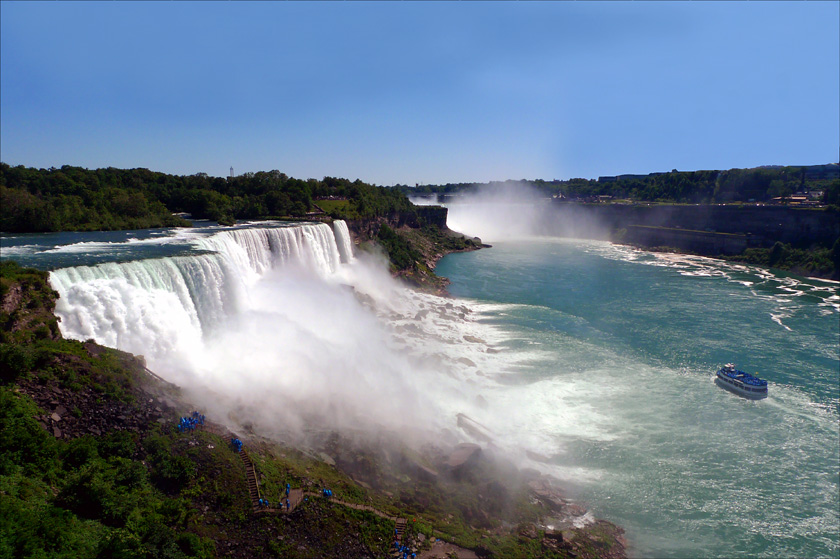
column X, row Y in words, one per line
column 237, row 444
column 405, row 550
column 327, row 493
column 190, row 422
column 264, row 504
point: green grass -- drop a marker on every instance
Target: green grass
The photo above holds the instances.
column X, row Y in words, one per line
column 343, row 208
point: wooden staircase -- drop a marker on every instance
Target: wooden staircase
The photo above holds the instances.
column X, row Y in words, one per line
column 251, row 477
column 295, row 497
column 400, row 529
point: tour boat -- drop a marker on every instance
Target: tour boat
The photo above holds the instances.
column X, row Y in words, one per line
column 741, row 383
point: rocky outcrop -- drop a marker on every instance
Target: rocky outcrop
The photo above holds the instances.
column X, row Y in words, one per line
column 463, row 455
column 73, row 413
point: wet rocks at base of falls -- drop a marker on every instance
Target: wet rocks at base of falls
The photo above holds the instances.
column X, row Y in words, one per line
column 464, row 455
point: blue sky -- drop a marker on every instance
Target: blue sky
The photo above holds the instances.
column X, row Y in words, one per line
column 410, row 92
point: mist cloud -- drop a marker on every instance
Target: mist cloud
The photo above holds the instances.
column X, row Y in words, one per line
column 516, row 211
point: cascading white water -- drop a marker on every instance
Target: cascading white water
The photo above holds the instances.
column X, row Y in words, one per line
column 147, row 304
column 164, row 308
column 342, row 239
column 313, row 246
column 261, row 317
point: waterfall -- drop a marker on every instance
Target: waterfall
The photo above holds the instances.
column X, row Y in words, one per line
column 257, row 250
column 169, row 305
column 342, row 239
column 260, row 320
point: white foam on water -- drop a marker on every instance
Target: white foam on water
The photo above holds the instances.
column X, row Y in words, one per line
column 20, row 250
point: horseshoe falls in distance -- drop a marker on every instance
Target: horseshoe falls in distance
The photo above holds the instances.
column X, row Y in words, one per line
column 624, row 345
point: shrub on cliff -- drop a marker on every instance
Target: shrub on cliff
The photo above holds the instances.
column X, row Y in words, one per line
column 400, row 252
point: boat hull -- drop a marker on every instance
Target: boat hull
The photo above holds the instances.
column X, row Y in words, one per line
column 740, row 391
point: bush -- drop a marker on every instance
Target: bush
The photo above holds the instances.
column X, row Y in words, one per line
column 15, row 360
column 400, row 252
column 23, row 442
column 79, row 452
column 170, row 472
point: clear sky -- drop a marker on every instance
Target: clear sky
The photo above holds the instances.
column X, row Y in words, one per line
column 410, row 92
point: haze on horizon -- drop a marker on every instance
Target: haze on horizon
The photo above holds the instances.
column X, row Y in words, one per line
column 420, row 92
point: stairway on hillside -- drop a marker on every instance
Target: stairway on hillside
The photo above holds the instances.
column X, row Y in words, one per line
column 251, row 476
column 296, row 496
column 400, row 529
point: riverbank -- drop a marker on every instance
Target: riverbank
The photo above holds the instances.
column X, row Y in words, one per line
column 816, row 263
column 801, row 241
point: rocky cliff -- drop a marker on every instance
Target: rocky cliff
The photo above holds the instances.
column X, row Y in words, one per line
column 764, row 224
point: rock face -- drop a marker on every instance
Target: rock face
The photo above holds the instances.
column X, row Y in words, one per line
column 464, row 455
column 71, row 413
column 765, row 224
column 421, row 471
column 327, row 458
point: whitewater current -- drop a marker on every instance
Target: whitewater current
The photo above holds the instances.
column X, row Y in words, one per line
column 285, row 327
column 582, row 359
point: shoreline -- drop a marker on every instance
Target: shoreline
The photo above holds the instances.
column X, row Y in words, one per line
column 722, row 258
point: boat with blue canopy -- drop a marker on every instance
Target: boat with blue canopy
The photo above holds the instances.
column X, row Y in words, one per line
column 741, row 383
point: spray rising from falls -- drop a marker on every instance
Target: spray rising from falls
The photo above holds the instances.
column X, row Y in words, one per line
column 516, row 211
column 282, row 327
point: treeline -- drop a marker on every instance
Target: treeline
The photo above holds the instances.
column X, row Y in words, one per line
column 74, row 198
column 692, row 187
column 815, row 261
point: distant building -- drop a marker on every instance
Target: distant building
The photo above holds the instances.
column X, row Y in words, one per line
column 794, row 200
column 231, row 172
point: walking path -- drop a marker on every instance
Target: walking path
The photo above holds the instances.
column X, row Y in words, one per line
column 296, row 496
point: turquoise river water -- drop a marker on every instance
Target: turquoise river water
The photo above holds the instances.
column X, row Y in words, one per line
column 628, row 343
